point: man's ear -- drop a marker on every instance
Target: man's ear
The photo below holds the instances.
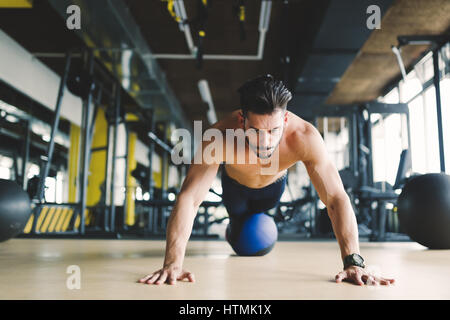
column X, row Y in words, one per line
column 286, row 117
column 241, row 117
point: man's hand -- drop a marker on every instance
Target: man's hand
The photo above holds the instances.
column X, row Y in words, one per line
column 361, row 276
column 169, row 274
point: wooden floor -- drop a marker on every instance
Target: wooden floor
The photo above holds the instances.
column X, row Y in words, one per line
column 36, row 269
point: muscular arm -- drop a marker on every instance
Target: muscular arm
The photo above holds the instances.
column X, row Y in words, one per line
column 193, row 191
column 328, row 184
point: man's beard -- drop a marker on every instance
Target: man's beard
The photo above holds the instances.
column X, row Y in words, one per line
column 257, row 150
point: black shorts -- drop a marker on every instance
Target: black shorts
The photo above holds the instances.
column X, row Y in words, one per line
column 240, row 200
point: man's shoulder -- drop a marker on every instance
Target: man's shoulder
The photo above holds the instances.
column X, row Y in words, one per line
column 303, row 136
column 300, row 128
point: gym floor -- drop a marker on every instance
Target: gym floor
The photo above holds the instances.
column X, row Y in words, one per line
column 37, row 269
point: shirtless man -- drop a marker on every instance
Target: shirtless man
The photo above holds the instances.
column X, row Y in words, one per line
column 278, row 131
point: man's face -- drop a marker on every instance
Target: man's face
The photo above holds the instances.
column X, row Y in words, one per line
column 264, row 132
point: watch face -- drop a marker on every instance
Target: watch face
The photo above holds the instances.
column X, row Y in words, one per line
column 358, row 258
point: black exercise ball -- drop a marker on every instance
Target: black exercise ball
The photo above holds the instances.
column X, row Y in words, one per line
column 424, row 210
column 15, row 209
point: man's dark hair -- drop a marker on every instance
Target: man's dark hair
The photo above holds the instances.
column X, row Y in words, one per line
column 263, row 95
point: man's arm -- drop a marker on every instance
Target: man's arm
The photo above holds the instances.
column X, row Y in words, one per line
column 193, row 191
column 179, row 227
column 328, row 184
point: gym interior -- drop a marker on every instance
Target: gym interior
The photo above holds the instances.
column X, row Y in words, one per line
column 93, row 94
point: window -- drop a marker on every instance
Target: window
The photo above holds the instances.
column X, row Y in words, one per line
column 5, row 173
column 445, row 102
column 431, row 131
column 391, row 97
column 410, row 88
column 418, row 153
column 387, row 145
column 335, row 134
column 419, row 93
column 50, row 189
column 6, row 164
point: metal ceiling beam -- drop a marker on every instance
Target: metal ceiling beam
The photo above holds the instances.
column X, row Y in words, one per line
column 107, row 25
column 264, row 19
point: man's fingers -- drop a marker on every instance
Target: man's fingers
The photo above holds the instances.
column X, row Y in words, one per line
column 340, row 276
column 188, row 275
column 172, row 278
column 373, row 281
column 361, row 277
column 369, row 279
column 358, row 280
column 390, row 280
column 385, row 281
column 153, row 278
column 142, row 280
column 162, row 278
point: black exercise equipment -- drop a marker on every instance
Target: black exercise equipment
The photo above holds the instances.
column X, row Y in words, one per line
column 377, row 197
column 424, row 210
column 349, row 180
column 33, row 187
column 15, row 209
column 80, row 81
column 285, row 211
column 323, row 222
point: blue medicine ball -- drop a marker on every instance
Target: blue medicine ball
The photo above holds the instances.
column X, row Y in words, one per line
column 253, row 235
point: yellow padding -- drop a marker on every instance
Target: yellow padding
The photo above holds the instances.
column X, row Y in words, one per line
column 29, row 225
column 72, row 166
column 47, row 219
column 87, row 217
column 16, row 3
column 131, row 117
column 242, row 13
column 61, row 219
column 87, row 213
column 131, row 181
column 67, row 220
column 56, row 218
column 41, row 217
column 77, row 222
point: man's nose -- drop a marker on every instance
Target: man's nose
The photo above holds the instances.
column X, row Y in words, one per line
column 264, row 139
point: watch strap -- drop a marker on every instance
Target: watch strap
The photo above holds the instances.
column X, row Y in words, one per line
column 353, row 259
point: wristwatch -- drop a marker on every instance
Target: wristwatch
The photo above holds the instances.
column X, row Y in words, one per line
column 353, row 259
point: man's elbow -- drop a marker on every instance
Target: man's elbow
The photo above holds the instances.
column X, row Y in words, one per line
column 186, row 199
